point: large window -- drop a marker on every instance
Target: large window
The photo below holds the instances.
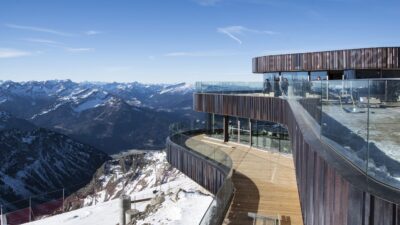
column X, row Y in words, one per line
column 233, row 129
column 217, row 126
column 318, row 75
column 271, row 76
column 271, row 84
column 391, row 73
column 292, row 76
column 239, row 130
column 259, row 134
column 244, row 125
column 294, row 83
column 271, row 136
column 368, row 74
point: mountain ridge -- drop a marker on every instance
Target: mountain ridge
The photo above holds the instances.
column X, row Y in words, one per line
column 113, row 117
column 39, row 159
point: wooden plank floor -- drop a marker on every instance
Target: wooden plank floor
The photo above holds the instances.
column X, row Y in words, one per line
column 265, row 182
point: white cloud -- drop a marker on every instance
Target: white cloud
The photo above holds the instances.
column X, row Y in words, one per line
column 92, row 32
column 235, row 32
column 207, row 2
column 77, row 50
column 230, row 34
column 58, row 45
column 43, row 41
column 38, row 29
column 12, row 53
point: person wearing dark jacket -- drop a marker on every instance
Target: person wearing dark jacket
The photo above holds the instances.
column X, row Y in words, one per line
column 277, row 90
column 285, row 86
column 267, row 87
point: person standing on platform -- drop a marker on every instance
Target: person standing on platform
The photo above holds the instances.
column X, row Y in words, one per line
column 277, row 90
column 267, row 87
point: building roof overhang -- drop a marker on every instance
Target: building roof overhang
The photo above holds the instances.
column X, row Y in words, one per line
column 380, row 58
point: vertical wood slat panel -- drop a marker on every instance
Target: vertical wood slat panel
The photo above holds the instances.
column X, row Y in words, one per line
column 367, row 58
column 197, row 168
column 356, row 203
column 310, row 186
column 397, row 217
column 326, row 197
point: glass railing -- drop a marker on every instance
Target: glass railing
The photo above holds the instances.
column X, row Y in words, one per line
column 182, row 135
column 359, row 119
column 229, row 87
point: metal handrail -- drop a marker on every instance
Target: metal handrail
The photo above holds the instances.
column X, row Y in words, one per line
column 217, row 209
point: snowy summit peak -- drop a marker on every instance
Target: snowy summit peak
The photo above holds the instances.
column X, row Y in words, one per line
column 182, row 88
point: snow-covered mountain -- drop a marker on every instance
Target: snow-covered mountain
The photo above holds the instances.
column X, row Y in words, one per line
column 182, row 88
column 53, row 134
column 39, row 159
column 175, row 198
column 54, row 92
column 109, row 116
column 129, row 173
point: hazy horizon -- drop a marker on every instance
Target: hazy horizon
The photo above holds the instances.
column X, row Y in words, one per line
column 126, row 82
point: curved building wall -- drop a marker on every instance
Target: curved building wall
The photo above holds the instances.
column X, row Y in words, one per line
column 331, row 190
column 349, row 59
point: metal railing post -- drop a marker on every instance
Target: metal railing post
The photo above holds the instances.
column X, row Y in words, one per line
column 386, row 91
column 327, row 89
column 30, row 209
column 63, row 199
column 125, row 204
column 1, row 215
column 94, row 192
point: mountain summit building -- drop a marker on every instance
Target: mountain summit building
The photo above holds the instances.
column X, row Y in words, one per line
column 315, row 142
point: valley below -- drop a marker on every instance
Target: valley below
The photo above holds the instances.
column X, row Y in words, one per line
column 67, row 143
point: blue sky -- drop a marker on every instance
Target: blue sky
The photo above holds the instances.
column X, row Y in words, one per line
column 178, row 40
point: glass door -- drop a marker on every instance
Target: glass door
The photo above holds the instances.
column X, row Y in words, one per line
column 233, row 129
column 239, row 130
column 217, row 126
column 244, row 131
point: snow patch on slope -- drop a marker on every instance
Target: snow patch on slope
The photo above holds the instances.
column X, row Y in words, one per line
column 28, row 139
column 187, row 210
column 93, row 103
column 182, row 200
column 178, row 88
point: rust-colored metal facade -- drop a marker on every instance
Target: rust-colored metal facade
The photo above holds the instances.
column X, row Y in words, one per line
column 357, row 59
column 332, row 192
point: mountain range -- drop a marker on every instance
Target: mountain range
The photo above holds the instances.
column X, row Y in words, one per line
column 56, row 134
column 111, row 117
column 35, row 160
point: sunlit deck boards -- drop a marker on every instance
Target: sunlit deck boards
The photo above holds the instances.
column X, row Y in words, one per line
column 265, row 182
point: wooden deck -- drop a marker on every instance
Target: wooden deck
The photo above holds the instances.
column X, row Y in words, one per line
column 265, row 182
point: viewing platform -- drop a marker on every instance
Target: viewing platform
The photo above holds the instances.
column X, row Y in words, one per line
column 264, row 181
column 316, row 141
column 356, row 119
column 342, row 135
